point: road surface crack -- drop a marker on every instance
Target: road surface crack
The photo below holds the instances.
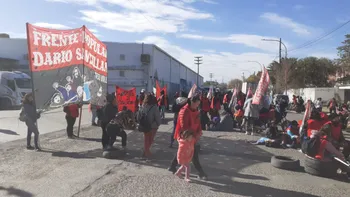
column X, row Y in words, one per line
column 98, row 179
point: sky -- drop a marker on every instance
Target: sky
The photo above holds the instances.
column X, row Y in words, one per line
column 227, row 33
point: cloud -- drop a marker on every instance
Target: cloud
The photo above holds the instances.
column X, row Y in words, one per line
column 51, row 25
column 298, row 7
column 223, row 64
column 167, row 16
column 285, row 22
column 250, row 40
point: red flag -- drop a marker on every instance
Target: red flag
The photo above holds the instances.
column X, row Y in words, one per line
column 262, row 86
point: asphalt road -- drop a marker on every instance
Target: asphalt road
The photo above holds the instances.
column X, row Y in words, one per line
column 75, row 168
column 13, row 129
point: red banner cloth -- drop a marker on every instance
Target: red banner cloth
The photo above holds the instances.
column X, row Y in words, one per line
column 126, row 98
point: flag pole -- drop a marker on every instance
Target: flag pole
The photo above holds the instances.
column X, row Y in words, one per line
column 31, row 74
column 82, row 98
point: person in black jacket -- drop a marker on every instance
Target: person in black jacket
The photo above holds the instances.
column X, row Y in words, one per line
column 105, row 115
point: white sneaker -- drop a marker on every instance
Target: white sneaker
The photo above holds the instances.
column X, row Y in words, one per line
column 247, row 133
column 252, row 134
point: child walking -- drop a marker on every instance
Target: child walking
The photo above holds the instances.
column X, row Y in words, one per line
column 185, row 153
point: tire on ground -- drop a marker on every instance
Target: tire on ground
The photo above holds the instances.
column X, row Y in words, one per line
column 285, row 163
column 320, row 168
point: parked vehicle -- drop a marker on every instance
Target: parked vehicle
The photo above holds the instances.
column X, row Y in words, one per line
column 13, row 86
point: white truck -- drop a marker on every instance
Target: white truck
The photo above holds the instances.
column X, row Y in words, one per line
column 13, row 86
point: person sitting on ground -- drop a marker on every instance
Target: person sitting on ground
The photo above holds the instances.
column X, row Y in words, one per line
column 226, row 122
column 336, row 136
column 314, row 123
column 273, row 137
column 292, row 132
column 213, row 125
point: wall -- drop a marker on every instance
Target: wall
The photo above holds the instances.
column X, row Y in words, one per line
column 313, row 93
column 124, row 65
column 15, row 49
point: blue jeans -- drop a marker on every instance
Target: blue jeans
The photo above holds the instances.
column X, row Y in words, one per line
column 162, row 111
column 94, row 116
column 173, row 133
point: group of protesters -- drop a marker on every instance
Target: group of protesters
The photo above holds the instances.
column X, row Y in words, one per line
column 239, row 111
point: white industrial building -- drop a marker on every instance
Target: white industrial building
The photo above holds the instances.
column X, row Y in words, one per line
column 129, row 65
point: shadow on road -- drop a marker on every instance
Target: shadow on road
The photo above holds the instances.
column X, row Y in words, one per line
column 166, row 120
column 11, row 191
column 8, row 132
column 91, row 154
column 221, row 159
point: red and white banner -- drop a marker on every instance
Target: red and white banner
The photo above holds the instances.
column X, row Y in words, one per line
column 192, row 91
column 67, row 66
column 262, row 86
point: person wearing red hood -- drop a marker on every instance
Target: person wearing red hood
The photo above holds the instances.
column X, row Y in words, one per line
column 324, row 117
column 337, row 137
column 314, row 123
column 188, row 119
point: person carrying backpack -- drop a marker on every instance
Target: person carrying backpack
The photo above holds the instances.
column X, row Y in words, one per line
column 149, row 122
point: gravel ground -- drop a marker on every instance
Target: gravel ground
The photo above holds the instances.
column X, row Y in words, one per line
column 75, row 168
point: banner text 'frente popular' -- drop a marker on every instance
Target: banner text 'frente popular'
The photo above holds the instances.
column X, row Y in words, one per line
column 52, row 49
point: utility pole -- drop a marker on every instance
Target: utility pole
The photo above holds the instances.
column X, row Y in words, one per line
column 211, row 77
column 198, row 60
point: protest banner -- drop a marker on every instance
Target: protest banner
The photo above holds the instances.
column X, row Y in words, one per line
column 67, row 66
column 262, row 87
column 126, row 98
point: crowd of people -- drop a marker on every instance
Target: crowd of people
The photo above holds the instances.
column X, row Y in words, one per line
column 202, row 111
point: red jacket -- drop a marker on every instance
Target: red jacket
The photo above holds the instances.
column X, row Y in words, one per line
column 215, row 104
column 72, row 110
column 205, row 104
column 225, row 99
column 313, row 125
column 188, row 119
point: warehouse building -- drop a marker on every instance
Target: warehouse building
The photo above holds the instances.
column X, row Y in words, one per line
column 129, row 65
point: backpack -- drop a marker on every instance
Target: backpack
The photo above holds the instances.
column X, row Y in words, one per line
column 22, row 116
column 144, row 125
column 310, row 146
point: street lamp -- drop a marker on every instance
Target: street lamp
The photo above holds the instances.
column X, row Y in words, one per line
column 281, row 43
column 285, row 56
column 257, row 63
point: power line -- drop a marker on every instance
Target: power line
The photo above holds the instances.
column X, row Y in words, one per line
column 306, row 44
column 144, row 15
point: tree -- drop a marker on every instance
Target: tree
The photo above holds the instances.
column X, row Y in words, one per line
column 234, row 83
column 343, row 62
column 301, row 73
column 253, row 79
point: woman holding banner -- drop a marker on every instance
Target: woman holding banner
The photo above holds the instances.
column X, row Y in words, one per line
column 29, row 115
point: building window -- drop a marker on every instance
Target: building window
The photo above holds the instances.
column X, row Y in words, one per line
column 121, row 73
column 122, row 57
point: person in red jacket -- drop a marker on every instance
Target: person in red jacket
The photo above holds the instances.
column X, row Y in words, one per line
column 337, row 137
column 314, row 123
column 188, row 119
column 205, row 108
column 72, row 113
